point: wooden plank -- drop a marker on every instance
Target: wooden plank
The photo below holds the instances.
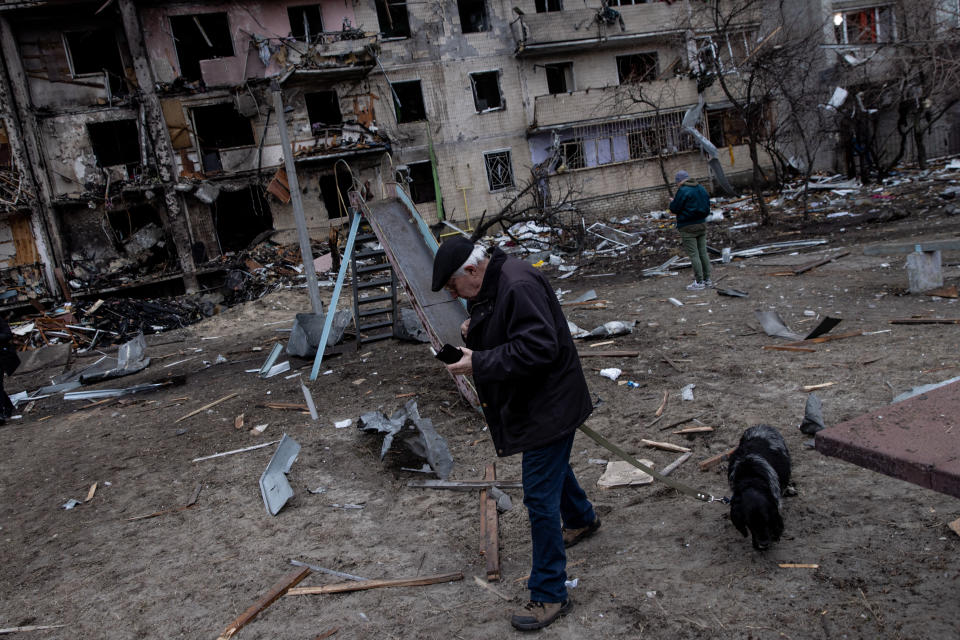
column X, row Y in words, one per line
column 344, row 587
column 666, row 446
column 285, row 406
column 780, row 347
column 278, row 590
column 667, row 470
column 688, row 430
column 489, row 527
column 24, row 243
column 798, row 565
column 944, row 292
column 711, row 462
column 30, row 627
column 205, row 407
column 663, row 405
column 814, row 387
column 192, row 502
column 463, row 485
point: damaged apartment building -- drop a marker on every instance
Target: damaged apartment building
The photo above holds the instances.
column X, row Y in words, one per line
column 140, row 139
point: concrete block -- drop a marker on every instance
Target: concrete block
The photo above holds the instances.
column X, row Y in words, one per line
column 924, row 271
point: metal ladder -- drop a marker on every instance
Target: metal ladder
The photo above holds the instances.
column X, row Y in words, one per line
column 368, row 278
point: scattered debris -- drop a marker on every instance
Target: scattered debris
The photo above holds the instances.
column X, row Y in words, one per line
column 489, row 525
column 344, row 587
column 70, row 504
column 666, row 446
column 205, row 407
column 418, row 434
column 612, row 372
column 30, row 627
column 733, row 293
column 464, row 485
column 670, row 468
column 687, row 392
column 486, row 585
column 620, row 473
column 774, row 326
column 812, row 416
column 274, row 594
column 713, row 461
column 310, row 404
column 916, row 391
column 814, row 387
column 343, row 424
column 91, row 492
column 273, row 481
column 192, row 502
column 798, row 565
column 339, row 574
column 230, row 453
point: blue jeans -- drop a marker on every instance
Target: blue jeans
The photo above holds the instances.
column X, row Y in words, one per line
column 552, row 496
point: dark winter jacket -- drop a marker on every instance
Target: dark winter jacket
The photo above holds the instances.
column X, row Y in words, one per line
column 691, row 204
column 9, row 360
column 525, row 365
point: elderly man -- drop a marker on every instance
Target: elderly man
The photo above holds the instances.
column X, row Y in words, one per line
column 534, row 396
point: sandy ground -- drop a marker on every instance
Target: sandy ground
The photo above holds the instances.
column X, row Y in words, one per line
column 662, row 566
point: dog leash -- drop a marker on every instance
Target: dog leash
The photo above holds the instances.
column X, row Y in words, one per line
column 670, row 482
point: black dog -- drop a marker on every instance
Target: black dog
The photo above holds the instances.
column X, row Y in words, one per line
column 758, row 474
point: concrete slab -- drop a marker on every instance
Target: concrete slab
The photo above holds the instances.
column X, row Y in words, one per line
column 917, row 440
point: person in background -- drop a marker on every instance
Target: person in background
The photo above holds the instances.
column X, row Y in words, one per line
column 534, row 397
column 691, row 205
column 9, row 361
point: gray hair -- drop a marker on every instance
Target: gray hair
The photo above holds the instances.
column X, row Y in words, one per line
column 478, row 255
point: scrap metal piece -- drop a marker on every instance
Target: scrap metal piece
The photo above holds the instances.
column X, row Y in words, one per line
column 773, row 325
column 734, row 293
column 272, row 358
column 273, row 481
column 421, row 438
column 310, row 404
column 825, row 326
column 812, row 416
column 130, row 359
column 617, row 237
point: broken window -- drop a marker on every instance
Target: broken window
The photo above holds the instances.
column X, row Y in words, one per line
column 559, row 77
column 240, row 216
column 393, row 18
column 473, row 16
column 200, row 37
column 217, row 127
column 116, row 142
column 543, row 6
column 410, row 96
column 421, row 182
column 637, row 67
column 486, row 91
column 872, row 25
column 323, row 110
column 305, row 22
column 571, row 154
column 95, row 52
column 499, row 169
column 726, row 127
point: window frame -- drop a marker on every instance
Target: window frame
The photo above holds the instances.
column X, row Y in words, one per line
column 652, row 72
column 498, row 73
column 492, row 154
column 397, row 107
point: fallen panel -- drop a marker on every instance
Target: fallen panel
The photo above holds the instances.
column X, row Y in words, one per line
column 273, row 481
column 130, row 359
column 913, row 440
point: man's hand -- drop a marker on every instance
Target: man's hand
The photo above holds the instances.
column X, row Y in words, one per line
column 464, row 366
column 464, row 328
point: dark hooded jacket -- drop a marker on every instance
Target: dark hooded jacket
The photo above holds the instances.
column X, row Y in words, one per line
column 525, row 365
column 691, row 204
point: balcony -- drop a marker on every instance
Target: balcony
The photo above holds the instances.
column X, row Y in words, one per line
column 338, row 56
column 571, row 30
column 615, row 103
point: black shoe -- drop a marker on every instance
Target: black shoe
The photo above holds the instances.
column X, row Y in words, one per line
column 537, row 615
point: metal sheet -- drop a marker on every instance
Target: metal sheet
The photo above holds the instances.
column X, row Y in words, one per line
column 273, row 481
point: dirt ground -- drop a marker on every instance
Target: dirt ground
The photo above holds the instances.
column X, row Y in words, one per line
column 662, row 565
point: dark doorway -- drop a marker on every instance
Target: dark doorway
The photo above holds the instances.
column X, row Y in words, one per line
column 328, row 188
column 199, row 37
column 240, row 216
column 421, row 182
column 559, row 77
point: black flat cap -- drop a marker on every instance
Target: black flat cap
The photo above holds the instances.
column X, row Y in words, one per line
column 450, row 256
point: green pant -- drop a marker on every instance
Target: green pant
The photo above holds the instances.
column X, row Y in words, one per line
column 694, row 240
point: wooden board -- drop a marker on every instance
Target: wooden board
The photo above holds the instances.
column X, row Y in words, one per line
column 489, row 528
column 275, row 592
column 344, row 587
